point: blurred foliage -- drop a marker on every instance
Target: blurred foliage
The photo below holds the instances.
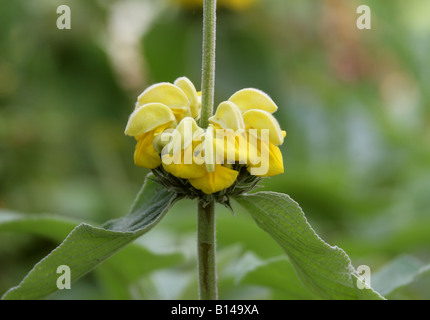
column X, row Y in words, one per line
column 355, row 104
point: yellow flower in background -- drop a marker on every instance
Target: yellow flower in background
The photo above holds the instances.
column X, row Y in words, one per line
column 237, row 5
column 242, row 134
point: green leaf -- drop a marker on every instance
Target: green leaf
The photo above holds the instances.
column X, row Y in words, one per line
column 399, row 273
column 87, row 246
column 325, row 269
column 49, row 226
column 117, row 274
column 277, row 274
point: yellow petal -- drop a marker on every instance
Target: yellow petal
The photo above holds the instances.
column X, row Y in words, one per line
column 181, row 137
column 190, row 90
column 166, row 93
column 148, row 117
column 225, row 147
column 188, row 129
column 181, row 113
column 259, row 119
column 218, row 180
column 145, row 155
column 275, row 163
column 247, row 99
column 228, row 116
column 162, row 139
column 231, row 146
column 182, row 170
column 199, row 97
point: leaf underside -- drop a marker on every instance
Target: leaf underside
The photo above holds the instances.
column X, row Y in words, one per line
column 87, row 246
column 324, row 269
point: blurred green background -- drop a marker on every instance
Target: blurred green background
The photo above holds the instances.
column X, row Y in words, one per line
column 355, row 105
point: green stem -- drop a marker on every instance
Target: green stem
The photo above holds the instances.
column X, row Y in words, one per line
column 206, row 211
column 206, row 251
column 208, row 61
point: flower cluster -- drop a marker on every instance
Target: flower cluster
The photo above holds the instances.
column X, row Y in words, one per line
column 243, row 136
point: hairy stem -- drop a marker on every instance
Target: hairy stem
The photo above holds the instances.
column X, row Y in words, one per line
column 206, row 251
column 208, row 61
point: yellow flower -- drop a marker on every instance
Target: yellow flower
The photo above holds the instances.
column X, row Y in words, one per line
column 159, row 107
column 178, row 153
column 177, row 166
column 250, row 111
column 190, row 154
column 242, row 134
column 221, row 178
column 217, row 175
column 145, row 155
column 238, row 4
column 267, row 160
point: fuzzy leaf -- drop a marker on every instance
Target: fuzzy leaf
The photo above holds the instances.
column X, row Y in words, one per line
column 324, row 269
column 87, row 246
